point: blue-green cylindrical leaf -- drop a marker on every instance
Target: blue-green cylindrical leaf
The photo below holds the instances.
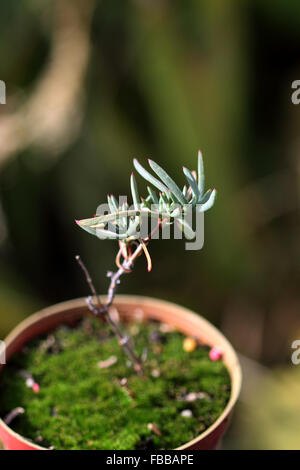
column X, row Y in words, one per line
column 122, row 220
column 209, row 202
column 205, row 196
column 168, row 181
column 153, row 195
column 134, row 192
column 98, row 221
column 186, row 228
column 165, row 199
column 173, row 198
column 148, row 177
column 176, row 213
column 201, row 179
column 192, row 182
column 102, row 234
column 111, row 205
column 161, row 204
column 114, row 202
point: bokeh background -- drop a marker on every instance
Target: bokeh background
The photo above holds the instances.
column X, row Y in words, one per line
column 92, row 84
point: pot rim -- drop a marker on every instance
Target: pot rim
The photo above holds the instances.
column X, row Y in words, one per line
column 234, row 370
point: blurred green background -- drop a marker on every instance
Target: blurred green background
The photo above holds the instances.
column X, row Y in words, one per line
column 92, row 84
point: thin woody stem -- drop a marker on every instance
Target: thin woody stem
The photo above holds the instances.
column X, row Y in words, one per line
column 89, row 280
column 101, row 309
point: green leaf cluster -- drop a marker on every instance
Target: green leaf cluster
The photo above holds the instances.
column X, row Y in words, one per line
column 169, row 205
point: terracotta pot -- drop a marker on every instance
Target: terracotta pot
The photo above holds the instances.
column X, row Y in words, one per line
column 129, row 308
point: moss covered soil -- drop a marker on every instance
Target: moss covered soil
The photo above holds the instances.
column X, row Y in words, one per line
column 87, row 402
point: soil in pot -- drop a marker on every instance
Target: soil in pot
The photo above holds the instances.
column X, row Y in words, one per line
column 90, row 398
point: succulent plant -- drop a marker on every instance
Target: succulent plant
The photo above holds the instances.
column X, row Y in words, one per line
column 123, row 223
column 169, row 206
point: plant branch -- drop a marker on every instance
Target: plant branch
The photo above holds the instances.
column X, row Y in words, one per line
column 101, row 309
column 89, row 281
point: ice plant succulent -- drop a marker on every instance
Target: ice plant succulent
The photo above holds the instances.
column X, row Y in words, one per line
column 129, row 226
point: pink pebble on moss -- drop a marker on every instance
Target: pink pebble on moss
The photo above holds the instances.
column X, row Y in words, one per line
column 215, row 354
column 36, row 387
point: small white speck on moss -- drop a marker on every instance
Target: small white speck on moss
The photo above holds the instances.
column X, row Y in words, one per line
column 186, row 413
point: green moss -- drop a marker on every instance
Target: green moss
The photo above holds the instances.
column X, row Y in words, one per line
column 81, row 406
